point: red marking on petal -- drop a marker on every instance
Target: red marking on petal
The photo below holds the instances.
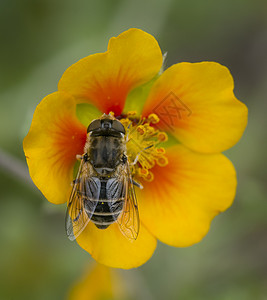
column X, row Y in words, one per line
column 69, row 137
column 111, row 95
column 166, row 176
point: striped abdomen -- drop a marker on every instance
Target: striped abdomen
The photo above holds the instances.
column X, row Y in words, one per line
column 110, row 203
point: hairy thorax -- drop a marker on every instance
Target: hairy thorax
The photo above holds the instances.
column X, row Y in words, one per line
column 105, row 153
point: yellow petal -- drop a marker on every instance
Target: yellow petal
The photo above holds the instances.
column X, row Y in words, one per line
column 179, row 204
column 54, row 139
column 105, row 79
column 99, row 282
column 111, row 248
column 196, row 103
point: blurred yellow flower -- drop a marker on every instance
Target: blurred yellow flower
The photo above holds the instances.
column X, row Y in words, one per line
column 186, row 183
column 98, row 283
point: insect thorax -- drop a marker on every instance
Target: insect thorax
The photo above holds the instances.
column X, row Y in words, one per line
column 105, row 153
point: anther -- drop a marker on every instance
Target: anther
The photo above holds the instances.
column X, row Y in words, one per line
column 142, row 142
column 149, row 177
column 153, row 118
column 161, row 150
column 162, row 161
column 143, row 172
column 162, row 137
column 141, row 130
column 131, row 113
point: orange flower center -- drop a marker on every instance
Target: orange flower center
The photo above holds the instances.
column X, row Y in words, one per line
column 143, row 139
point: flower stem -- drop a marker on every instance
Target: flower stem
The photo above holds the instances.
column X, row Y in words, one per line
column 14, row 167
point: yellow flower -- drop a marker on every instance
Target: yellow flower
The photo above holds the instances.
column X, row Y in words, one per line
column 186, row 180
column 98, row 283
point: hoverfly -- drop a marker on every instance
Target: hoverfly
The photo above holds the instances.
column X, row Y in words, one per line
column 103, row 191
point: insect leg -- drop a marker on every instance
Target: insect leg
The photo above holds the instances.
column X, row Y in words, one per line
column 137, row 184
column 138, row 154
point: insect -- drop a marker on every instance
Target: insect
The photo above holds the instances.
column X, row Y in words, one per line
column 103, row 191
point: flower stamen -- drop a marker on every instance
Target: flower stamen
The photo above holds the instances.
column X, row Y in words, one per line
column 142, row 145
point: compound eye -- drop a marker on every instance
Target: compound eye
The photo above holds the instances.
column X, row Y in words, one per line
column 96, row 124
column 118, row 126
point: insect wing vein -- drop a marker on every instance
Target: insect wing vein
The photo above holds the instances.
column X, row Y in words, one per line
column 81, row 204
column 129, row 220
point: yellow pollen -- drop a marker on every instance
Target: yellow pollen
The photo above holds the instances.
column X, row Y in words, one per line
column 143, row 172
column 150, row 130
column 141, row 129
column 162, row 161
column 153, row 118
column 149, row 177
column 131, row 113
column 161, row 150
column 162, row 136
column 143, row 149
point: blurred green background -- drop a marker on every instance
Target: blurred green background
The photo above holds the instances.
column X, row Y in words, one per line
column 39, row 40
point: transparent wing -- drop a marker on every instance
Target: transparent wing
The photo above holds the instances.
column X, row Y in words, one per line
column 82, row 202
column 129, row 219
